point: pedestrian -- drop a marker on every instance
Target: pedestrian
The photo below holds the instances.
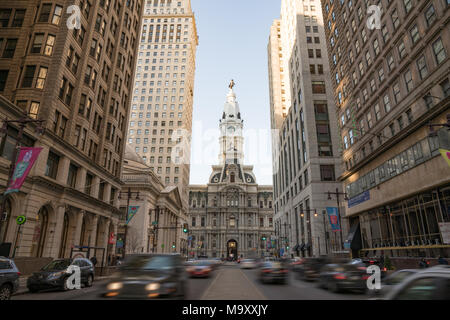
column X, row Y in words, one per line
column 94, row 261
column 442, row 260
column 423, row 263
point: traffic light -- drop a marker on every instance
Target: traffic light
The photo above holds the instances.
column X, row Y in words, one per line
column 263, row 238
column 173, row 246
column 287, row 248
column 185, row 228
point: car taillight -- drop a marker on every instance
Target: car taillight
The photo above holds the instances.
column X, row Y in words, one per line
column 284, row 270
column 19, row 274
column 365, row 277
column 266, row 271
column 371, row 262
column 340, row 276
column 362, row 268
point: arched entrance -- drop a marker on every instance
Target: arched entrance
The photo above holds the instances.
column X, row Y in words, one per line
column 5, row 224
column 40, row 233
column 232, row 251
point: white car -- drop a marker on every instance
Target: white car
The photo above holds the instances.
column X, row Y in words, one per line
column 429, row 284
column 248, row 264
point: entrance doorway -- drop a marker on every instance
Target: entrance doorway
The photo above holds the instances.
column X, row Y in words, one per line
column 232, row 252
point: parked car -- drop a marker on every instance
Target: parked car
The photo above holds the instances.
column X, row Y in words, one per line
column 273, row 271
column 55, row 274
column 148, row 276
column 309, row 268
column 339, row 277
column 248, row 264
column 200, row 269
column 394, row 279
column 9, row 278
column 429, row 284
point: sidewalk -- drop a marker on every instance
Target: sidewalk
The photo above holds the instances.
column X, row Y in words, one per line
column 23, row 283
column 232, row 284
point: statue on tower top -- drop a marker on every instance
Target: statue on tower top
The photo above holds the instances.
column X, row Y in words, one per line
column 232, row 84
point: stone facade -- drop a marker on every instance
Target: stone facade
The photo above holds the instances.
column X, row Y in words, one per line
column 391, row 82
column 231, row 216
column 306, row 152
column 79, row 81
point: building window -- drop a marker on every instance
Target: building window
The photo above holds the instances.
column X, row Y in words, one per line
column 3, row 78
column 439, row 51
column 318, row 87
column 51, row 169
column 327, row 173
column 422, row 66
column 28, row 77
column 72, row 176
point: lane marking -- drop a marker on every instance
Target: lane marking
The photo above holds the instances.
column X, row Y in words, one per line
column 211, row 285
column 254, row 286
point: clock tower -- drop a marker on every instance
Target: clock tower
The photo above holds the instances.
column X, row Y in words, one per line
column 231, row 125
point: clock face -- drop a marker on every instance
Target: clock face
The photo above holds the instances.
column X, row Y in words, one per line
column 231, row 129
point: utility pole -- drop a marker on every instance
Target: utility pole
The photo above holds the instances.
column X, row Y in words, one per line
column 337, row 194
column 22, row 123
column 128, row 194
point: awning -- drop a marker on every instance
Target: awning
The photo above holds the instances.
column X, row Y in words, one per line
column 353, row 238
column 302, row 247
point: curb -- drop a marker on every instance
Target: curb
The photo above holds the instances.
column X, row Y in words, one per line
column 24, row 290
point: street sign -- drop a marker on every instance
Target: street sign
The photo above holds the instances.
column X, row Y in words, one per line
column 154, row 223
column 21, row 220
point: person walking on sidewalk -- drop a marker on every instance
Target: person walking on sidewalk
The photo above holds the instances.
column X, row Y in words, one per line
column 94, row 261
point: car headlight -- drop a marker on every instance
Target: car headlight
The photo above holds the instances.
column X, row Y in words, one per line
column 113, row 286
column 56, row 275
column 152, row 287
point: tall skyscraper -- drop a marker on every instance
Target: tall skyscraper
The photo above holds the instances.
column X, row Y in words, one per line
column 161, row 115
column 79, row 79
column 306, row 150
column 390, row 71
column 232, row 215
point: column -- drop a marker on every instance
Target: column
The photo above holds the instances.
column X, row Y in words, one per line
column 107, row 193
column 63, row 170
column 93, row 233
column 95, row 187
column 78, row 225
column 81, row 179
column 105, row 243
column 60, row 210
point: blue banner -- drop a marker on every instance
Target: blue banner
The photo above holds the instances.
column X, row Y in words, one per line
column 131, row 212
column 333, row 216
column 359, row 199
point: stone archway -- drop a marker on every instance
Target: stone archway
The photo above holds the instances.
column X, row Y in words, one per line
column 232, row 249
column 39, row 239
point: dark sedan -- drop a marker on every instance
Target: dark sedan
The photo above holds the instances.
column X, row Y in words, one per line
column 55, row 275
column 340, row 277
column 9, row 278
column 148, row 276
column 273, row 271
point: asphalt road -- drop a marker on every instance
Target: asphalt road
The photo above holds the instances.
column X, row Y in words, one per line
column 208, row 287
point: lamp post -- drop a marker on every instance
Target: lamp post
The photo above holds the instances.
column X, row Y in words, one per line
column 337, row 194
column 22, row 123
column 309, row 221
column 129, row 195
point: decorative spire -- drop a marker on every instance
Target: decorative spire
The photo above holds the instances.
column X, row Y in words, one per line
column 232, row 84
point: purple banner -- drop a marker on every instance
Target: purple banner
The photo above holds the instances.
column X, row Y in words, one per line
column 25, row 161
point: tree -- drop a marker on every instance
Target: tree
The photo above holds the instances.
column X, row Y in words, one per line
column 134, row 244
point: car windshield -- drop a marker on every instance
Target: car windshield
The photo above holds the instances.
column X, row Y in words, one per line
column 57, row 265
column 150, row 263
column 202, row 263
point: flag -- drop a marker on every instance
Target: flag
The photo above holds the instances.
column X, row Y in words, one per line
column 334, row 218
column 25, row 161
column 131, row 212
column 446, row 154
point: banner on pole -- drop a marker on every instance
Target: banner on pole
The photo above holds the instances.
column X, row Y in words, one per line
column 334, row 218
column 131, row 212
column 25, row 161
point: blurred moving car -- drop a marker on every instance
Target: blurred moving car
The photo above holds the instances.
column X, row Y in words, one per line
column 340, row 277
column 394, row 279
column 200, row 269
column 248, row 264
column 428, row 284
column 273, row 271
column 9, row 278
column 55, row 274
column 309, row 268
column 148, row 276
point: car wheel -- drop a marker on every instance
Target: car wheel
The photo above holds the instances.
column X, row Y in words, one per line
column 64, row 286
column 5, row 292
column 89, row 281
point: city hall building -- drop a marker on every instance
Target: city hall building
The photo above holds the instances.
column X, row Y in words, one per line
column 231, row 216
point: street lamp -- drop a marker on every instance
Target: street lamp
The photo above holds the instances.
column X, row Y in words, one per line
column 129, row 195
column 337, row 194
column 22, row 123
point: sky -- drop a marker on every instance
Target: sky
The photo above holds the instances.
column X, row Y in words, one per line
column 233, row 38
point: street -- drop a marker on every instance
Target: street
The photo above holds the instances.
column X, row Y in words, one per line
column 229, row 282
